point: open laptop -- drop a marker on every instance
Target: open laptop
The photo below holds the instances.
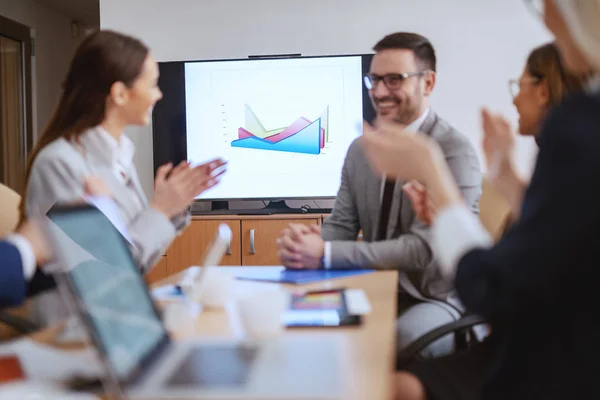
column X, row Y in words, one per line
column 102, row 280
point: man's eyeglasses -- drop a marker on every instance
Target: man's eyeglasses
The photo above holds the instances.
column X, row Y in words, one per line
column 536, row 6
column 515, row 85
column 391, row 81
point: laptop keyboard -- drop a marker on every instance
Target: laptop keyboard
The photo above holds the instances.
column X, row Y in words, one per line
column 215, row 367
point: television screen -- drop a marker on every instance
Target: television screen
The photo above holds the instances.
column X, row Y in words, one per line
column 283, row 124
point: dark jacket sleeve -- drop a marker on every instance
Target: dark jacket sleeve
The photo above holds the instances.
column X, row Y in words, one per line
column 12, row 279
column 559, row 220
column 40, row 282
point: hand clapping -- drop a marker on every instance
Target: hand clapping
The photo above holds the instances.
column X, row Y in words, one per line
column 397, row 153
column 175, row 188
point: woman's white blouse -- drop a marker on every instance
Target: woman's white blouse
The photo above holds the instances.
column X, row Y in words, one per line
column 455, row 232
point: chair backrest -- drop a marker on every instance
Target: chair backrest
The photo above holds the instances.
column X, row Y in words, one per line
column 9, row 218
column 494, row 211
column 9, row 211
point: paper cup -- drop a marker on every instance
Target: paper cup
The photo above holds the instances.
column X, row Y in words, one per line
column 261, row 313
column 180, row 317
column 213, row 290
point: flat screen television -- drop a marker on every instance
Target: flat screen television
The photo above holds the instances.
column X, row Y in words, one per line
column 284, row 124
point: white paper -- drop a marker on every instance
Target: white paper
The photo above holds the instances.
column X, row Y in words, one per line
column 41, row 362
column 357, row 302
column 29, row 390
column 166, row 292
column 109, row 208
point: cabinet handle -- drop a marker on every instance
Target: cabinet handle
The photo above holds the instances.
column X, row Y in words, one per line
column 252, row 249
column 228, row 248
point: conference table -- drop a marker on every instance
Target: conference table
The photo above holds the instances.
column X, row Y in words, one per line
column 368, row 349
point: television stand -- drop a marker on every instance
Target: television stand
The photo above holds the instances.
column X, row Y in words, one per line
column 274, row 207
column 277, row 205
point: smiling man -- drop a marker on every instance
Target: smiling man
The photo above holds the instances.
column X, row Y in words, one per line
column 401, row 80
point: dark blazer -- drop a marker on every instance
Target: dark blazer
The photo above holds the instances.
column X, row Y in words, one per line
column 12, row 280
column 13, row 286
column 539, row 285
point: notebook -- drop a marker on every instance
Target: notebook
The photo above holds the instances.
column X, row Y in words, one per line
column 296, row 277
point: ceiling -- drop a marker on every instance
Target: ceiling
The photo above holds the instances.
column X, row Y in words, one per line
column 86, row 11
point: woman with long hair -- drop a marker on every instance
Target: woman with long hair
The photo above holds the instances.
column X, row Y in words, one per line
column 543, row 85
column 112, row 83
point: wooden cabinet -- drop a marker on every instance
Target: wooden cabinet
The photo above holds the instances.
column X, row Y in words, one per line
column 190, row 247
column 158, row 272
column 252, row 242
column 259, row 236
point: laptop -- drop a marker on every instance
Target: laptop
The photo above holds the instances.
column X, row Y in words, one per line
column 102, row 281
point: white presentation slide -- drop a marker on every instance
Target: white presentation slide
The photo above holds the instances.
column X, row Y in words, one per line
column 284, row 125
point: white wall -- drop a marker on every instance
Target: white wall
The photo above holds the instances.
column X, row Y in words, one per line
column 55, row 47
column 480, row 43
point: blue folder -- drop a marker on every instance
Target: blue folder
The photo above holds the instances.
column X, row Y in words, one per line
column 297, row 277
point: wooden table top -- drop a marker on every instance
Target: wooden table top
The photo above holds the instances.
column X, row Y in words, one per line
column 369, row 349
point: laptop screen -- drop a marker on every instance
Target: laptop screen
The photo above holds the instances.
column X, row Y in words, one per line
column 111, row 292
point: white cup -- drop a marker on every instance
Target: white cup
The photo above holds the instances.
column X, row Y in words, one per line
column 213, row 289
column 261, row 313
column 180, row 317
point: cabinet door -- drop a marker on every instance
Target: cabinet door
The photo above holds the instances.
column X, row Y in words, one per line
column 158, row 272
column 190, row 248
column 258, row 239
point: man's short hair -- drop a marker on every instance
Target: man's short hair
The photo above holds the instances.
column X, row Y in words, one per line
column 420, row 45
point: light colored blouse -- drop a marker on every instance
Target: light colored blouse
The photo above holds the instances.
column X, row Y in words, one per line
column 58, row 175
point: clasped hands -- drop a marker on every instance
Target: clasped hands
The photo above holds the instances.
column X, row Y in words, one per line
column 301, row 247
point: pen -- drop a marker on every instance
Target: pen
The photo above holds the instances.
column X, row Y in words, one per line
column 326, row 291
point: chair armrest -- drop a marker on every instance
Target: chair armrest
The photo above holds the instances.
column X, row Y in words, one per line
column 20, row 324
column 418, row 345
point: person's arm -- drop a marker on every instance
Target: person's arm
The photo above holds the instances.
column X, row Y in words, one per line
column 343, row 222
column 499, row 147
column 152, row 232
column 538, row 255
column 411, row 251
column 17, row 265
column 54, row 179
column 509, row 184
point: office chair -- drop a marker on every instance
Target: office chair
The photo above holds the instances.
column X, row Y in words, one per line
column 9, row 218
column 464, row 337
column 494, row 214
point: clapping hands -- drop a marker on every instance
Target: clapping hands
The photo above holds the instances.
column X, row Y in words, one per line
column 176, row 187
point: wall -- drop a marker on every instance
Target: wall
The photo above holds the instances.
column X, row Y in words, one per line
column 54, row 48
column 480, row 44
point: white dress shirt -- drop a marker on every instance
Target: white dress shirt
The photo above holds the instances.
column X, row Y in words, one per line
column 27, row 254
column 455, row 232
column 593, row 84
column 122, row 155
column 412, row 127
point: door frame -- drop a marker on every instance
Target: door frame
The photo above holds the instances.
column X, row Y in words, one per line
column 22, row 33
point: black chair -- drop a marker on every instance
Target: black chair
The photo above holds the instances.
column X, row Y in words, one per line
column 464, row 337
